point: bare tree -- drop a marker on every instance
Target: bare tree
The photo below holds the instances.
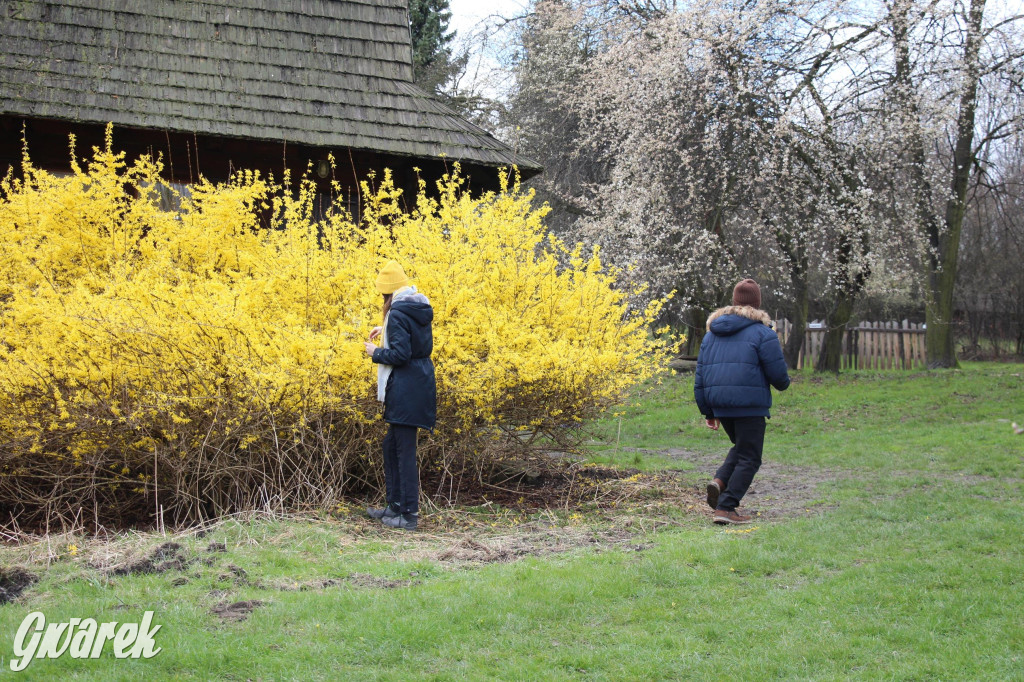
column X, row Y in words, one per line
column 990, row 286
column 947, row 63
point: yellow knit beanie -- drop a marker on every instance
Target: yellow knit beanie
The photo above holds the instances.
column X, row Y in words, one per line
column 391, row 278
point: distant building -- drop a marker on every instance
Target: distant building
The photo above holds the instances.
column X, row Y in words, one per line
column 218, row 86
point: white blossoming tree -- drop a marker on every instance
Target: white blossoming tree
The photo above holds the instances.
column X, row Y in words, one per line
column 812, row 144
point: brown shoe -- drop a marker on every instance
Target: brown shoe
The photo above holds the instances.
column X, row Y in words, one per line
column 722, row 516
column 714, row 490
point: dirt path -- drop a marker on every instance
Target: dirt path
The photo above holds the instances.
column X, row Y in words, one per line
column 620, row 510
column 779, row 490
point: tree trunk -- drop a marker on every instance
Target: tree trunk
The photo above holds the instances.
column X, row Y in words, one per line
column 939, row 339
column 799, row 331
column 831, row 357
column 696, row 321
column 939, row 336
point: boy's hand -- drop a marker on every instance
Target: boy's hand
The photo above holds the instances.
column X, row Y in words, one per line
column 712, row 424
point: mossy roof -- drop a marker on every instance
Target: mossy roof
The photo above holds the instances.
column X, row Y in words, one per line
column 324, row 73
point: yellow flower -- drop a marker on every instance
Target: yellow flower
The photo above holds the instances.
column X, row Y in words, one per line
column 233, row 326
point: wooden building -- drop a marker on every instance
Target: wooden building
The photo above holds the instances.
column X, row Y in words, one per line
column 215, row 86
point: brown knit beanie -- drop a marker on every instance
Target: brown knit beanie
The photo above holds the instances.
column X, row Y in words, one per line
column 747, row 293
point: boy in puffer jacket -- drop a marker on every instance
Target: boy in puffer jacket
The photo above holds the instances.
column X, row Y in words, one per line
column 740, row 359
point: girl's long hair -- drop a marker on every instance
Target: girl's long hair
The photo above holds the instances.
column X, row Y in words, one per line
column 387, row 306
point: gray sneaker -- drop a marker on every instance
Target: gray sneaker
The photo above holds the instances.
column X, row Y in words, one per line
column 403, row 521
column 387, row 512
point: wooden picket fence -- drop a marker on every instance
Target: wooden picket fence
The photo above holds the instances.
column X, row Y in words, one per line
column 869, row 345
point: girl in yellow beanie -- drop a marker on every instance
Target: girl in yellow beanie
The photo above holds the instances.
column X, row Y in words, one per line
column 407, row 387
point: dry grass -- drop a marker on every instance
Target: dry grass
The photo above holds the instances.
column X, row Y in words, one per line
column 590, row 507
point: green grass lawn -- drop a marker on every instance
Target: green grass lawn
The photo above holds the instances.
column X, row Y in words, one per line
column 912, row 568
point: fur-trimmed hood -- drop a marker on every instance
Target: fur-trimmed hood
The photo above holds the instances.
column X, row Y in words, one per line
column 748, row 315
column 740, row 361
column 414, row 304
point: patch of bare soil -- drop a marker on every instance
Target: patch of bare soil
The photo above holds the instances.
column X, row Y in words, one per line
column 303, row 585
column 548, row 506
column 373, row 581
column 779, row 491
column 236, row 611
column 527, row 483
column 554, row 482
column 166, row 557
column 14, row 581
column 526, row 542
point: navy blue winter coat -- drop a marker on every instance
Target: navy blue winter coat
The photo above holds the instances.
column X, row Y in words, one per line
column 411, row 395
column 740, row 358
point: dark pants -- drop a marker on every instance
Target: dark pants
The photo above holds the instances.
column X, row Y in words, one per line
column 401, row 477
column 743, row 460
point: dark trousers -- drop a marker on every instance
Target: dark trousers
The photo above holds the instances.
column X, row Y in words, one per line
column 743, row 460
column 401, row 476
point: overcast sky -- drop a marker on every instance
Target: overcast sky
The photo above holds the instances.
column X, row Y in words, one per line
column 467, row 14
column 470, row 20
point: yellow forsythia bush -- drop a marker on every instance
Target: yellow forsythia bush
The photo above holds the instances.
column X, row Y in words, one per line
column 178, row 365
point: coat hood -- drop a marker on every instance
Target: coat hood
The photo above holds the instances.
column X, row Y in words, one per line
column 410, row 302
column 733, row 318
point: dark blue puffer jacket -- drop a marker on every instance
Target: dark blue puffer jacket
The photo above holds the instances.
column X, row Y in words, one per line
column 411, row 395
column 739, row 357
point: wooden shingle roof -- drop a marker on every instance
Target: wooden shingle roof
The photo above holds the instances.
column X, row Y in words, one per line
column 324, row 73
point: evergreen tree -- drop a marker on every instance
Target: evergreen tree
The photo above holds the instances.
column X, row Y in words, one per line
column 433, row 65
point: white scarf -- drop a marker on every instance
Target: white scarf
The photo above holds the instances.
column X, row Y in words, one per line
column 383, row 371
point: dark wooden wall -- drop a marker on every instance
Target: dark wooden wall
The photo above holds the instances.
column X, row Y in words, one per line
column 186, row 157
